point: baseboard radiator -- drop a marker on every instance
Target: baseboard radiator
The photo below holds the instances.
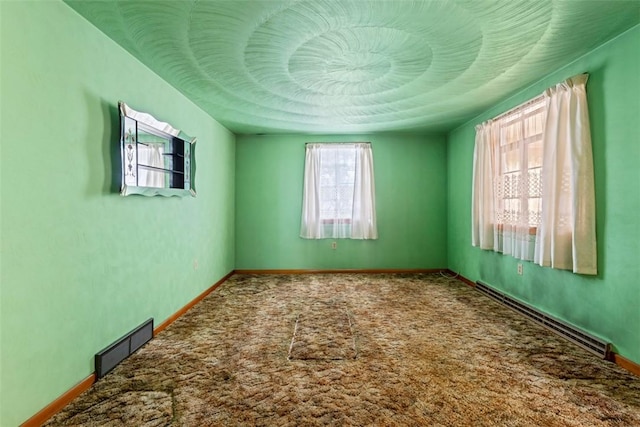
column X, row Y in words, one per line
column 588, row 342
column 111, row 356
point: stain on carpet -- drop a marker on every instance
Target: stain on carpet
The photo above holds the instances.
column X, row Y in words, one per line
column 323, row 331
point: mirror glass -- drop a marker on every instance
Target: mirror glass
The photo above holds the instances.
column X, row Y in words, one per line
column 157, row 159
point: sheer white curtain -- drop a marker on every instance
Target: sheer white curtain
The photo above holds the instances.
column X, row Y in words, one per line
column 566, row 238
column 363, row 219
column 311, row 225
column 483, row 209
column 533, row 187
column 506, row 181
column 339, row 192
column 151, row 155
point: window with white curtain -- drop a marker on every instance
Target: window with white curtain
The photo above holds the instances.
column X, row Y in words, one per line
column 339, row 192
column 533, row 185
column 517, row 178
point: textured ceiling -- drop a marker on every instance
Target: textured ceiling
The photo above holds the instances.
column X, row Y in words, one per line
column 354, row 66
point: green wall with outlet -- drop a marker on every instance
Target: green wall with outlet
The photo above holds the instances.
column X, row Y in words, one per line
column 82, row 265
column 607, row 305
column 410, row 178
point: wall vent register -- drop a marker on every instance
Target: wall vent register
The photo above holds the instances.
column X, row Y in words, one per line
column 109, row 357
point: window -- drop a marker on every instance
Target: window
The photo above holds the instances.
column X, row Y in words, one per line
column 533, row 185
column 514, row 144
column 520, row 166
column 339, row 192
column 517, row 180
column 337, row 178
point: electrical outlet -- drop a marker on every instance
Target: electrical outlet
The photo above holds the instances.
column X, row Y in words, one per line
column 520, row 268
column 334, row 245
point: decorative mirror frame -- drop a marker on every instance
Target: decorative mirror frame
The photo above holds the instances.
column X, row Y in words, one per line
column 174, row 175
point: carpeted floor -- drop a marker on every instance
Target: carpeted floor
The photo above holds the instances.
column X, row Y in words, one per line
column 356, row 350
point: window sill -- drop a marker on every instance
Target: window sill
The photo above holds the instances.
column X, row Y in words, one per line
column 531, row 230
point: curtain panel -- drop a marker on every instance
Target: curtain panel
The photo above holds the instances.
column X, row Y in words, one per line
column 339, row 192
column 566, row 238
column 533, row 187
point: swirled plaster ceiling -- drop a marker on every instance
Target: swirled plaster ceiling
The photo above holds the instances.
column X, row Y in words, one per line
column 345, row 66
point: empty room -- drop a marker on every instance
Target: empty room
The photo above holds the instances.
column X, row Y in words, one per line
column 320, row 213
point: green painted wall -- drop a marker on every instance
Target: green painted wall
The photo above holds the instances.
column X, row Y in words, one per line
column 607, row 305
column 80, row 264
column 410, row 173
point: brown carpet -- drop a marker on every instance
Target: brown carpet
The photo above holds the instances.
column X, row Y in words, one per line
column 356, row 350
column 323, row 332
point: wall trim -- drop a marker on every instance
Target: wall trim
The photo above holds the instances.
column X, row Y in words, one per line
column 190, row 304
column 625, row 363
column 54, row 407
column 461, row 278
column 319, row 271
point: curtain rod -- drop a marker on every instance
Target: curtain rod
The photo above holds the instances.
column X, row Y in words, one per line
column 517, row 107
column 531, row 101
column 339, row 143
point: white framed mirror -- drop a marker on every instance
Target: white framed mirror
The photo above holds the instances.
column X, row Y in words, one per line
column 157, row 159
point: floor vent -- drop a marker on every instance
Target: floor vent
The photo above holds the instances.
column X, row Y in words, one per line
column 588, row 342
column 109, row 358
